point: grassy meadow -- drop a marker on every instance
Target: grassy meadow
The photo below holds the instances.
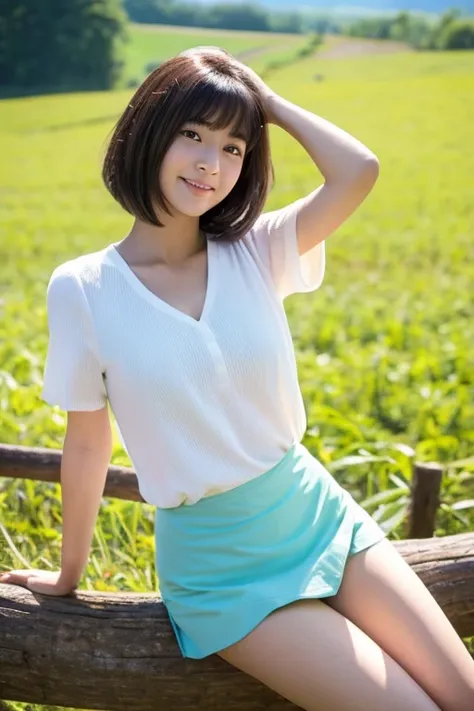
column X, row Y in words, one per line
column 384, row 348
column 155, row 43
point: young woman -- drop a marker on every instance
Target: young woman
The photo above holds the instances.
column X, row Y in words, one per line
column 261, row 556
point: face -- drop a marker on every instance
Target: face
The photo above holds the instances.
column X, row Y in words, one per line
column 200, row 168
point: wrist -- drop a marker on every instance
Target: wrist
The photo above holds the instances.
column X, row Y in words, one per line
column 273, row 102
column 69, row 577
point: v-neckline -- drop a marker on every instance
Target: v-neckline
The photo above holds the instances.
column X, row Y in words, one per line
column 157, row 301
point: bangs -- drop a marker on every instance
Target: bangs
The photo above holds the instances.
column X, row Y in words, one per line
column 220, row 102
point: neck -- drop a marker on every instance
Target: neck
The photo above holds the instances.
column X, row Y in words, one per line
column 179, row 239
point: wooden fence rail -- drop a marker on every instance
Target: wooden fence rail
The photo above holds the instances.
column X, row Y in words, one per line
column 43, row 464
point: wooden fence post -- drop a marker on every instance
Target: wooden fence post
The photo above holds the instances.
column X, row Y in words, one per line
column 425, row 499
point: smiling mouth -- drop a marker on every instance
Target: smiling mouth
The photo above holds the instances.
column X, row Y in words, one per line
column 198, row 186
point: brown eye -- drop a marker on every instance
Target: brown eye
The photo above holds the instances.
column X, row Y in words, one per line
column 192, row 136
column 235, row 148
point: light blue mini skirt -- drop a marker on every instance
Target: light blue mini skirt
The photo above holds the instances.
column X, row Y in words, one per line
column 229, row 560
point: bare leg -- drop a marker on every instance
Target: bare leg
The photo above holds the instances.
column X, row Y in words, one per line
column 385, row 598
column 313, row 656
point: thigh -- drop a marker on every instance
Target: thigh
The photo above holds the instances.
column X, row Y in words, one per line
column 312, row 655
column 385, row 598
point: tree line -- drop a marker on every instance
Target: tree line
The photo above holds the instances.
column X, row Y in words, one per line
column 448, row 32
column 80, row 44
column 238, row 15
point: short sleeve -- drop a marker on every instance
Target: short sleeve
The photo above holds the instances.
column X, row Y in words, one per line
column 274, row 237
column 72, row 375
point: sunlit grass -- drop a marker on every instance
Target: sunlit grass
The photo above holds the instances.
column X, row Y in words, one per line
column 156, row 43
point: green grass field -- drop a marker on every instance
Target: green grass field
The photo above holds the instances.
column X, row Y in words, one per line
column 155, row 43
column 384, row 347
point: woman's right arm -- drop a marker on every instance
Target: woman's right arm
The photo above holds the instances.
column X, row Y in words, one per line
column 86, row 455
column 84, row 465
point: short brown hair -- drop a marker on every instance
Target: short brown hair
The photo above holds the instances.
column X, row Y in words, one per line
column 203, row 85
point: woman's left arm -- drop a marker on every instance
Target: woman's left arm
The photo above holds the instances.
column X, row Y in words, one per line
column 349, row 168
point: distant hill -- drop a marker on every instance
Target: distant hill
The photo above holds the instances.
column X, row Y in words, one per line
column 432, row 6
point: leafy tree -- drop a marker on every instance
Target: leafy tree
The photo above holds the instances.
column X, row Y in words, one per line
column 440, row 29
column 239, row 17
column 287, row 22
column 149, row 11
column 61, row 44
column 450, row 31
column 375, row 28
column 458, row 35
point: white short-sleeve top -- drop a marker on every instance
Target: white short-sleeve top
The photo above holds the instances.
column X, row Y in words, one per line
column 202, row 406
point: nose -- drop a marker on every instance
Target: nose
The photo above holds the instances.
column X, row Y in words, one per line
column 208, row 160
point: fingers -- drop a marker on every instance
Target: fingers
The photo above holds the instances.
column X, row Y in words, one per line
column 25, row 579
column 16, row 577
column 38, row 581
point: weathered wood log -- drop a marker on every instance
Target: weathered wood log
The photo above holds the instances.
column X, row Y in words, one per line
column 117, row 651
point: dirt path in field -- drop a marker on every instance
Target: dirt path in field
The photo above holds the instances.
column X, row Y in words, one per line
column 339, row 48
column 344, row 47
column 252, row 52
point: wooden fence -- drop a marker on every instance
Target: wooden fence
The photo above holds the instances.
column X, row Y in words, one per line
column 42, row 464
column 117, row 651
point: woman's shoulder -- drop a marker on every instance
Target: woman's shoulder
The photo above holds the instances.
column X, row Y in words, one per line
column 80, row 270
